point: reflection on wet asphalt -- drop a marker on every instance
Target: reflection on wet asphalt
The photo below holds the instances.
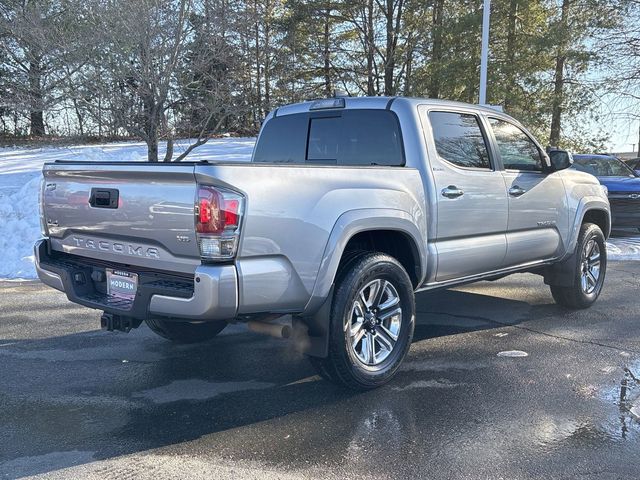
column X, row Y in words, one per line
column 624, row 245
column 80, row 403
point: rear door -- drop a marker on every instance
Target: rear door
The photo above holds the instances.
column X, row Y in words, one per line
column 537, row 200
column 472, row 205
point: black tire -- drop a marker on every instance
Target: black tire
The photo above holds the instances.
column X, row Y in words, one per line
column 186, row 332
column 575, row 297
column 342, row 365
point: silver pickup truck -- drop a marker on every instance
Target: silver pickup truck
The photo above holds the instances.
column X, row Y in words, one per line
column 349, row 207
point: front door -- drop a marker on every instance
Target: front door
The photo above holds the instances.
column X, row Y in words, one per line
column 472, row 204
column 537, row 199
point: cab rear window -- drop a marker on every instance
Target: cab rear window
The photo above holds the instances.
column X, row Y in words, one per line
column 348, row 137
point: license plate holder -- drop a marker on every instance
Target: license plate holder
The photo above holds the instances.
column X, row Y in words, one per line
column 122, row 284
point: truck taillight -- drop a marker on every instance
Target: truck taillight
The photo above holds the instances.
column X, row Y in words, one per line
column 218, row 216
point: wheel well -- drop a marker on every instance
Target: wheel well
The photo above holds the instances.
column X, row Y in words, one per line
column 599, row 217
column 392, row 242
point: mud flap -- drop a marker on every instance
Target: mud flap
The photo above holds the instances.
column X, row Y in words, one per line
column 562, row 274
column 311, row 333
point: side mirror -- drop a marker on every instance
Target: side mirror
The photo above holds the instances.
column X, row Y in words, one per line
column 560, row 159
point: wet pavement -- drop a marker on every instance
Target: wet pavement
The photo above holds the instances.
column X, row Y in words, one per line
column 79, row 403
column 624, row 245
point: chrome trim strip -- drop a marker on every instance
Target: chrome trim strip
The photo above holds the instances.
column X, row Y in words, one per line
column 484, row 276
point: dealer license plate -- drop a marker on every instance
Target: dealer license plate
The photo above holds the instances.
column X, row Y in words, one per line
column 122, row 284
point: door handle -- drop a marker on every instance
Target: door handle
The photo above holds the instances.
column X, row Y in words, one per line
column 104, row 197
column 452, row 192
column 516, row 191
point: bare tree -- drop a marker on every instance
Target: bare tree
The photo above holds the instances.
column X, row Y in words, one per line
column 146, row 44
column 43, row 47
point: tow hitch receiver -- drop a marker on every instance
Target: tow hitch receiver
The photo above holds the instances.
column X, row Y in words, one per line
column 111, row 322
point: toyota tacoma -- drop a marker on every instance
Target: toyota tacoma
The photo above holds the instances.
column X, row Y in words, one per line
column 349, row 207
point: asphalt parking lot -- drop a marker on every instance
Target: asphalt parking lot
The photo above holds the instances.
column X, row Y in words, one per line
column 76, row 402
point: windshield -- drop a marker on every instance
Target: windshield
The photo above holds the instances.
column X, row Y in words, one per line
column 601, row 166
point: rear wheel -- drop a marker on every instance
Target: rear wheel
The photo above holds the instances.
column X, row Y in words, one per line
column 371, row 323
column 590, row 270
column 186, row 332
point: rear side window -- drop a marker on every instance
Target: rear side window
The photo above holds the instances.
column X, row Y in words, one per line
column 324, row 139
column 517, row 150
column 348, row 137
column 357, row 137
column 282, row 140
column 459, row 139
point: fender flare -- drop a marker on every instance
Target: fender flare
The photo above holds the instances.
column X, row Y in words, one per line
column 561, row 273
column 585, row 205
column 316, row 313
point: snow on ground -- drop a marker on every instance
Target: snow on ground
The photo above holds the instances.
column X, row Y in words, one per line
column 20, row 171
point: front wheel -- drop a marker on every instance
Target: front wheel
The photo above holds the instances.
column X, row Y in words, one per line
column 186, row 332
column 590, row 270
column 371, row 323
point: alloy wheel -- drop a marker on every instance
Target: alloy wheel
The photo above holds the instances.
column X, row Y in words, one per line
column 374, row 322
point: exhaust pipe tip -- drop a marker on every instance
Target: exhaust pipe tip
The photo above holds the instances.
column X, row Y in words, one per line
column 275, row 330
column 286, row 331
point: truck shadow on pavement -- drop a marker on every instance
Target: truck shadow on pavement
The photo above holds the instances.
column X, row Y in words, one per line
column 78, row 398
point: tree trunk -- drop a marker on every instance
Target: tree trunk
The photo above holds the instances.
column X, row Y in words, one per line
column 258, row 75
column 511, row 54
column 152, row 149
column 436, row 50
column 37, row 123
column 393, row 17
column 168, row 156
column 389, row 53
column 327, row 59
column 369, row 39
column 36, row 115
column 558, row 89
column 267, row 57
column 556, row 116
column 150, row 110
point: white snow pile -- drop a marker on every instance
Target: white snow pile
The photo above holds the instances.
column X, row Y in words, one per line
column 20, row 172
column 19, row 229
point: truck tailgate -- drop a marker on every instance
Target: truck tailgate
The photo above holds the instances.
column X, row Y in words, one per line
column 127, row 213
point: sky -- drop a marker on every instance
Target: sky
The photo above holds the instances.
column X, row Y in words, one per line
column 619, row 119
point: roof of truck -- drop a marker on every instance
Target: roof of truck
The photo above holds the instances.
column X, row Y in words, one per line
column 379, row 103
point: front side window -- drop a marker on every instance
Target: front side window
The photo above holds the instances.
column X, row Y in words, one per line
column 517, row 150
column 459, row 139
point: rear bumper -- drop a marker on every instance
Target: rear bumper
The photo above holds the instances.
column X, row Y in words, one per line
column 211, row 294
